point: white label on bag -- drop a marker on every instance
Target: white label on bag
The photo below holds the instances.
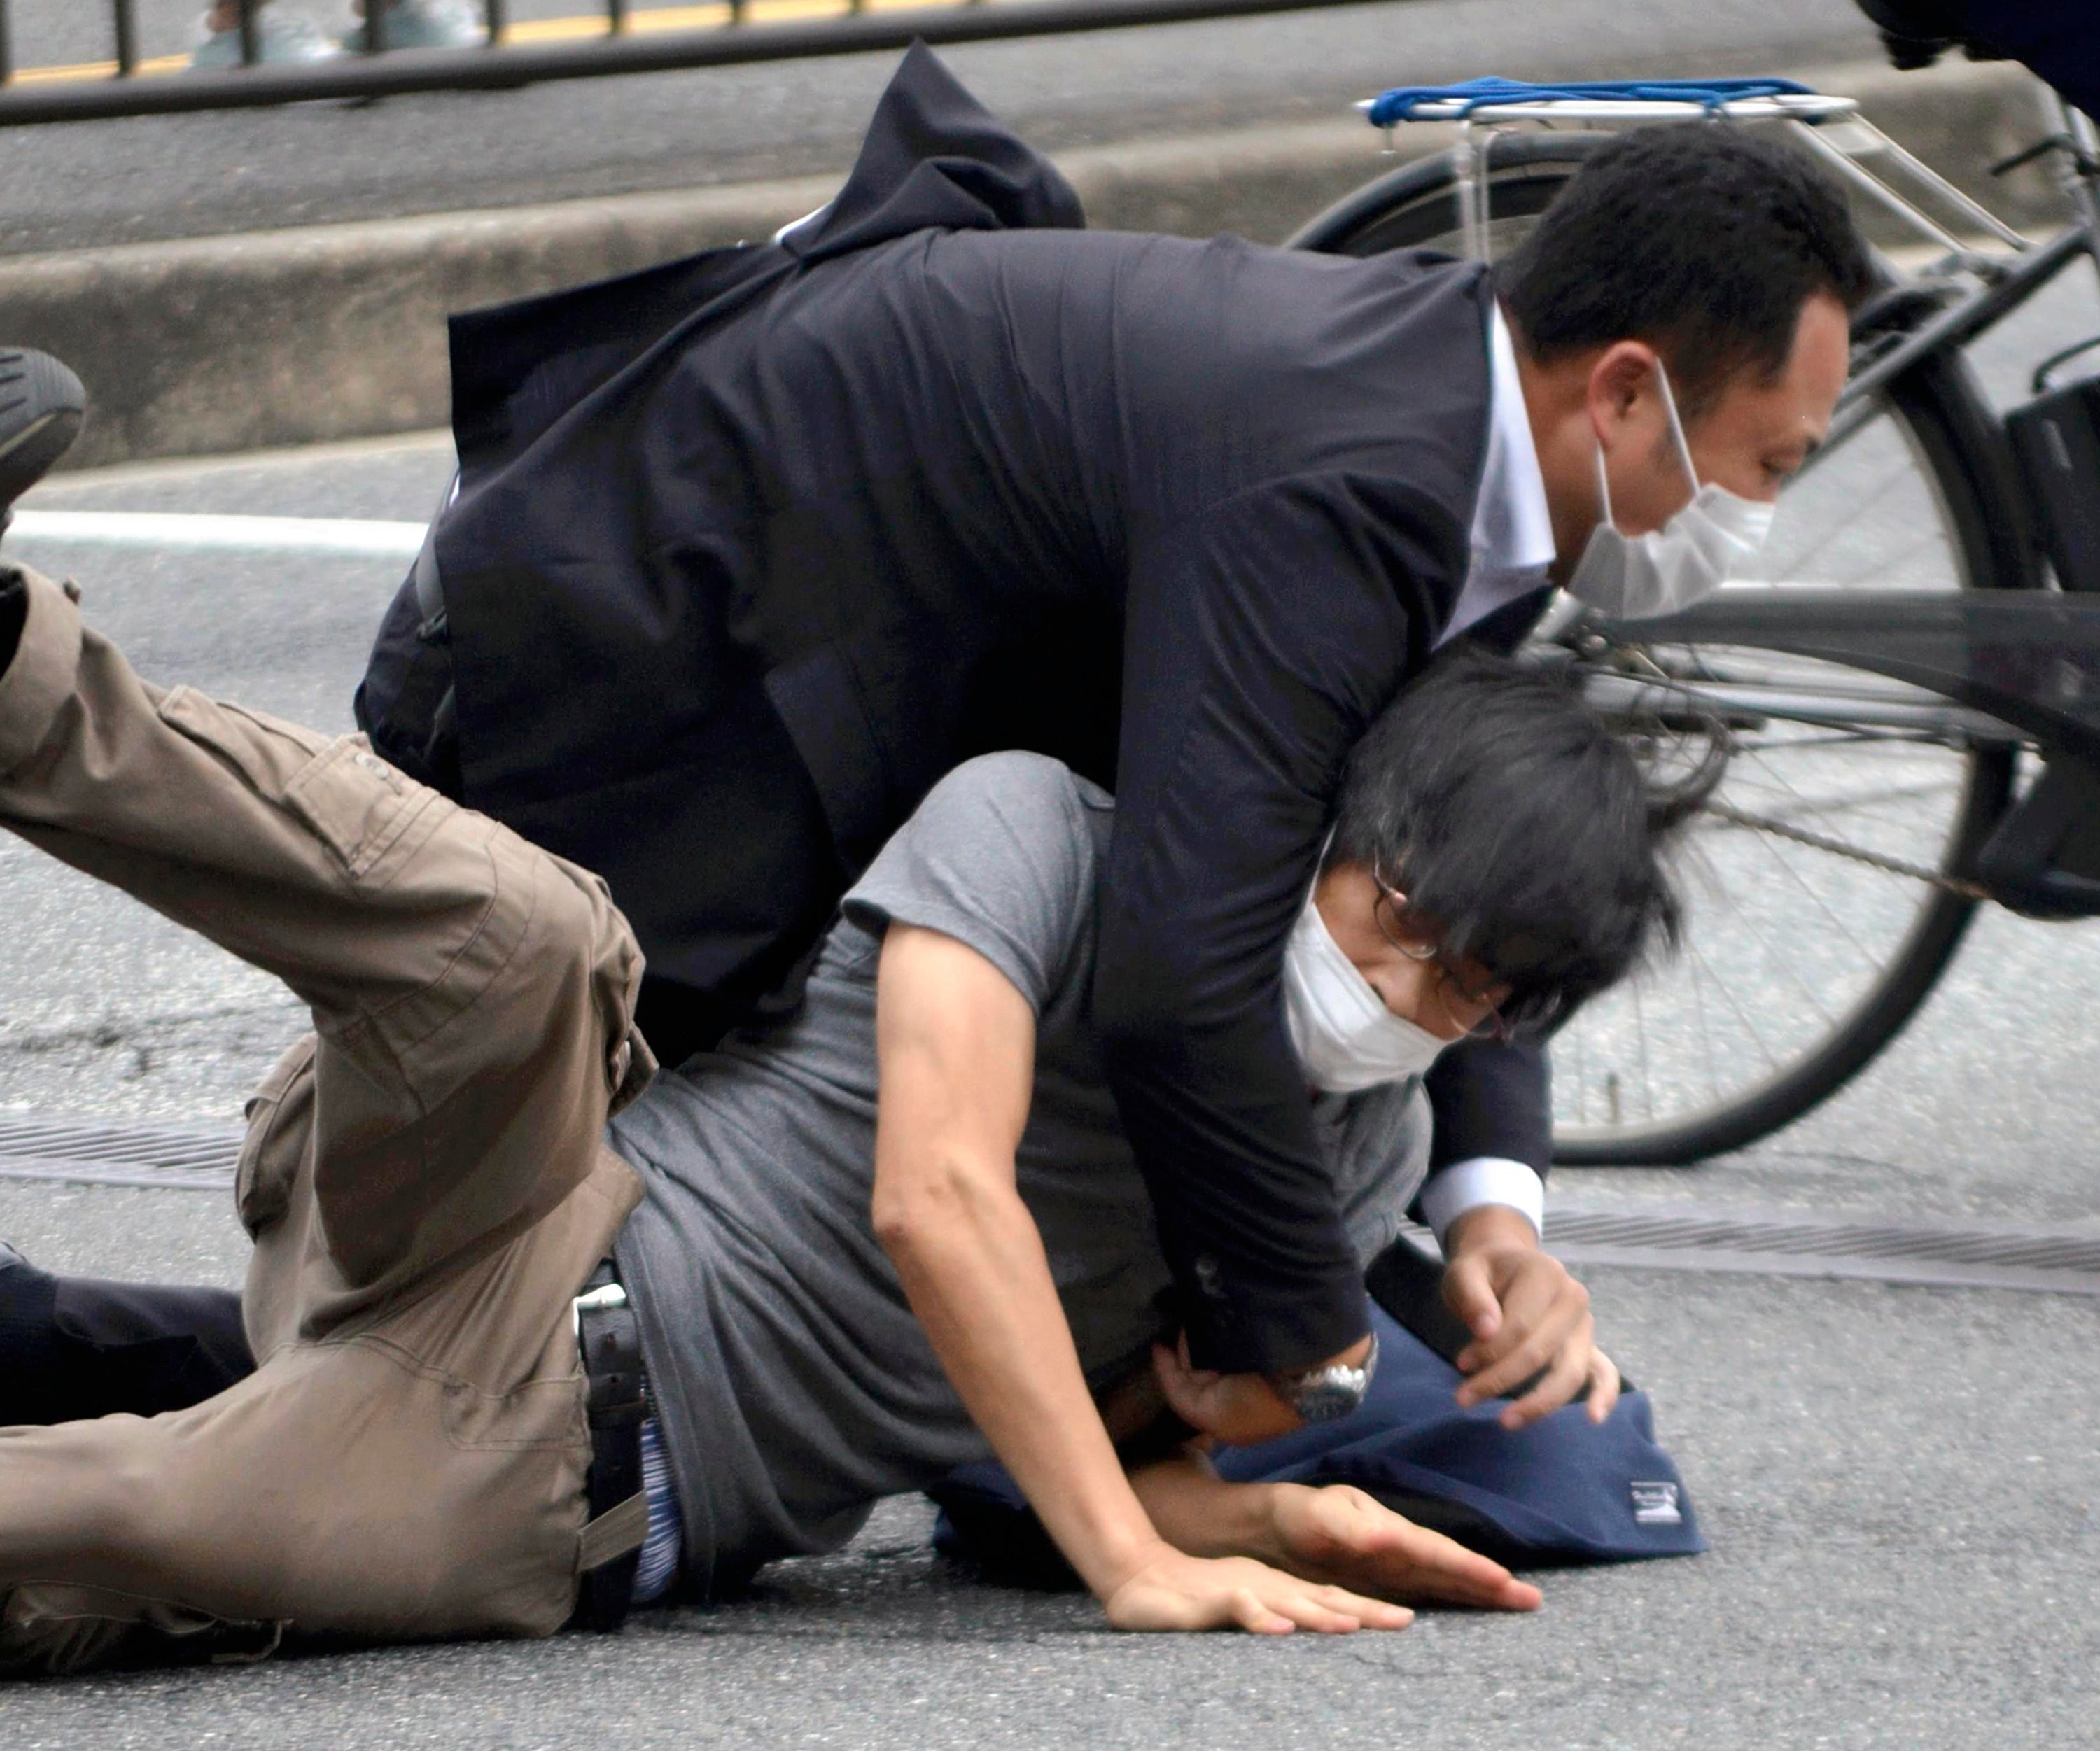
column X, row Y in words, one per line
column 1655, row 1504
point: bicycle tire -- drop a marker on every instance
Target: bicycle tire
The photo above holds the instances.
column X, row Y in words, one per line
column 1960, row 448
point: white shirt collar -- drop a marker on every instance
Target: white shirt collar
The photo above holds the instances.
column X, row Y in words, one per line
column 1512, row 535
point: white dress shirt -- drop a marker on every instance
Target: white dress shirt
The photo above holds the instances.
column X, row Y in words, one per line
column 1512, row 538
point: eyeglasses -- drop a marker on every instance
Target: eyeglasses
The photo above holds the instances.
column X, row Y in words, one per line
column 1501, row 1018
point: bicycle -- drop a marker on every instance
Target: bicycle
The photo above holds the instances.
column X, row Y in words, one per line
column 1916, row 723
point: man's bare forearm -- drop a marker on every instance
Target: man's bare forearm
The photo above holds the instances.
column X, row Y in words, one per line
column 955, row 1046
column 973, row 1266
column 1200, row 1515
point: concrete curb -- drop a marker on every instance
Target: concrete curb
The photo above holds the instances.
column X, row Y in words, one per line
column 218, row 344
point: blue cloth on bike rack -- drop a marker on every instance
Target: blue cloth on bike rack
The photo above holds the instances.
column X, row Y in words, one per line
column 1564, row 1490
column 1400, row 103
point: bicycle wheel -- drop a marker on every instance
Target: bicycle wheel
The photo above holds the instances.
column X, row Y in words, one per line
column 1812, row 932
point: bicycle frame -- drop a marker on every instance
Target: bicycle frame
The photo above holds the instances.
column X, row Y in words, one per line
column 2018, row 665
column 2010, row 282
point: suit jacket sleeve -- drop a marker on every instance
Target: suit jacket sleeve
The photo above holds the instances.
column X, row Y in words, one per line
column 1261, row 640
column 1491, row 1099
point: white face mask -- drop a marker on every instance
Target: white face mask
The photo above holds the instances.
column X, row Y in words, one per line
column 1344, row 1034
column 1633, row 577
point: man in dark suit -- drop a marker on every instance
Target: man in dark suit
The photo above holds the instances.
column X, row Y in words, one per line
column 747, row 551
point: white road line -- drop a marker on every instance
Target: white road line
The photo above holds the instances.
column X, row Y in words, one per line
column 284, row 535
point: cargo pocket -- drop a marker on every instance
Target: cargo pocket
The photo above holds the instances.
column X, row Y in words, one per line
column 353, row 802
column 280, row 1116
column 357, row 804
column 266, row 751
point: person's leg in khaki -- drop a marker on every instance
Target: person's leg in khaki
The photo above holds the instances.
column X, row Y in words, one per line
column 425, row 1179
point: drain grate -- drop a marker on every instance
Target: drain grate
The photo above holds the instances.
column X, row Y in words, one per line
column 1790, row 1245
column 196, row 1158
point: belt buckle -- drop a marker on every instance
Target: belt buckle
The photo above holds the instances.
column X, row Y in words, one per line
column 606, row 1297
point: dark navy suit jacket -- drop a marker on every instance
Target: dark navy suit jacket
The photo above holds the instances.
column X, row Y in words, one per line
column 2058, row 39
column 750, row 549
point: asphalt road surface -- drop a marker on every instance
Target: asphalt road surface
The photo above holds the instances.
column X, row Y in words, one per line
column 1900, row 1484
column 96, row 183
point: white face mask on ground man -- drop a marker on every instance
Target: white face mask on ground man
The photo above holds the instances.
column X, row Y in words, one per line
column 1633, row 577
column 1343, row 1032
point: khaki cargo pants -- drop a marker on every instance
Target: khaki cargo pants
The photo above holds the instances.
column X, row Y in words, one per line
column 423, row 1177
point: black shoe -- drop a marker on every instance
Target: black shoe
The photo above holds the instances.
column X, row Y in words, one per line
column 41, row 404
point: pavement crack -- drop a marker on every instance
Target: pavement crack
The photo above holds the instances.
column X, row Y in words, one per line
column 109, row 1032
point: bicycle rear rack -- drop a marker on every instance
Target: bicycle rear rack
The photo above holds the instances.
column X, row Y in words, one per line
column 1831, row 127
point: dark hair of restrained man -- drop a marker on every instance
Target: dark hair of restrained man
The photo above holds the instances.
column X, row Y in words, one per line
column 1528, row 836
column 1703, row 239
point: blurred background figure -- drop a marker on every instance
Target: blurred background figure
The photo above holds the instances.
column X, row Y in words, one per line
column 293, row 37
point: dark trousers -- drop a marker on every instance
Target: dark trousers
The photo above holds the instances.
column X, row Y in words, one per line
column 77, row 1346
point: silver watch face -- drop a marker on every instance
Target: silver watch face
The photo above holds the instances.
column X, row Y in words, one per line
column 1330, row 1394
column 1326, row 1394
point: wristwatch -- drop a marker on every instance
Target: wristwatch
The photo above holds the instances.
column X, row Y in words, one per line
column 1326, row 1394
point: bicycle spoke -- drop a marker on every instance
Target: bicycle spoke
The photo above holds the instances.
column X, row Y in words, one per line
column 1843, row 929
column 1705, row 1034
column 1789, row 962
column 1804, row 809
column 1640, row 1030
column 1749, row 1027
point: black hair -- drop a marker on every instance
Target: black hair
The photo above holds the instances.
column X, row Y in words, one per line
column 1525, row 833
column 1703, row 239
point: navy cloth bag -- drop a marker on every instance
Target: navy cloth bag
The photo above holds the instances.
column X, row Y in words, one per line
column 1564, row 1490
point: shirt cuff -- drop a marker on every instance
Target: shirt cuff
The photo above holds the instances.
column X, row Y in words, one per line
column 1486, row 1179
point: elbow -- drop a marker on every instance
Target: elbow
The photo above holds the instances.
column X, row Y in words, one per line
column 913, row 1216
column 898, row 1225
column 898, row 1220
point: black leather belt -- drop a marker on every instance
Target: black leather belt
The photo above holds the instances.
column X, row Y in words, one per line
column 610, row 1337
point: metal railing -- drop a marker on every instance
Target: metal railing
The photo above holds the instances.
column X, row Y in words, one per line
column 499, row 63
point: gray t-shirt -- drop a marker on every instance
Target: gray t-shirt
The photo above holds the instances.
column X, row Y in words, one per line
column 794, row 1386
